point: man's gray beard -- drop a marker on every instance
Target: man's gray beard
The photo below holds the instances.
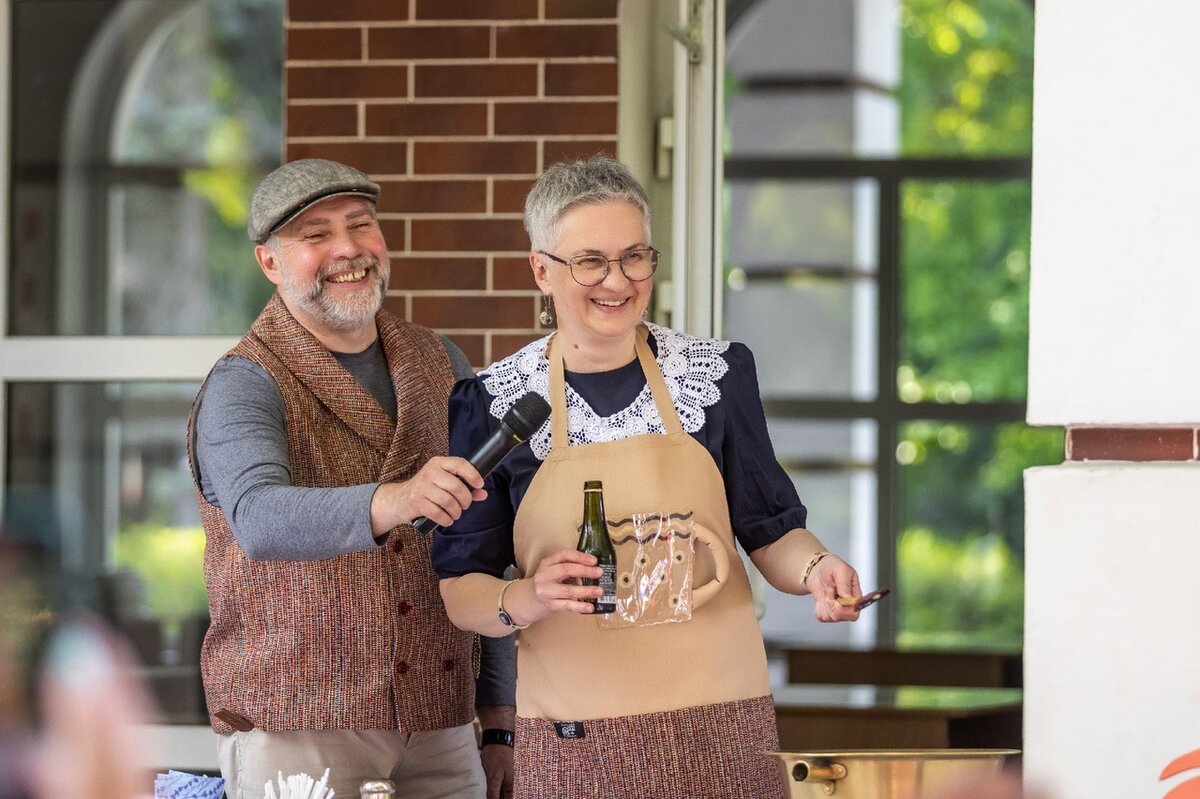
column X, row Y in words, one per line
column 348, row 314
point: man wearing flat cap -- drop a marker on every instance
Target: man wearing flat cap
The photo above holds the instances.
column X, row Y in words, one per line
column 314, row 444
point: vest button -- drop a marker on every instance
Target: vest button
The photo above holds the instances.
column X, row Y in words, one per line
column 448, row 664
column 397, row 544
column 402, row 668
column 404, row 608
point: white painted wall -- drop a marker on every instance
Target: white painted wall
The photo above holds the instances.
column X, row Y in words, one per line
column 1112, row 627
column 1116, row 213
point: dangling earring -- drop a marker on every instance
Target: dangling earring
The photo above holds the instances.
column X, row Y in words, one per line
column 546, row 317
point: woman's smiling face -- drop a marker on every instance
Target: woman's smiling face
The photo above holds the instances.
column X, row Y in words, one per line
column 605, row 315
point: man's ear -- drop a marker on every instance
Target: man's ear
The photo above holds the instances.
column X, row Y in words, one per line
column 540, row 272
column 268, row 261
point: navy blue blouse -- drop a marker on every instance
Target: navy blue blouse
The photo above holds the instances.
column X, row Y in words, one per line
column 763, row 504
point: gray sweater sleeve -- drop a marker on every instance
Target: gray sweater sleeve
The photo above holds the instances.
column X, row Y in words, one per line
column 496, row 683
column 242, row 458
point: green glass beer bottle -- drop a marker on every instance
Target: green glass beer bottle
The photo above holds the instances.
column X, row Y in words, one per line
column 594, row 540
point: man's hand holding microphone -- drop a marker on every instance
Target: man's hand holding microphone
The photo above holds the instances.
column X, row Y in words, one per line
column 446, row 485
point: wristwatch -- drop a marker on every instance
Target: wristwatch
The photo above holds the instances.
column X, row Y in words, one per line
column 505, row 619
column 488, row 737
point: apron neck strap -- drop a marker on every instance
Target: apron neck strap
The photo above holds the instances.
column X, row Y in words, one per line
column 658, row 386
column 654, row 378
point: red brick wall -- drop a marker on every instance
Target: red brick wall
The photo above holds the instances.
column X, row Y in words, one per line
column 454, row 107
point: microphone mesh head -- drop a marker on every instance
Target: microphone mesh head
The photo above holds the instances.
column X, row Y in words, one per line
column 527, row 414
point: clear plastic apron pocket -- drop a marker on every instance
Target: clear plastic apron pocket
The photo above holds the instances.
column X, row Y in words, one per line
column 656, row 557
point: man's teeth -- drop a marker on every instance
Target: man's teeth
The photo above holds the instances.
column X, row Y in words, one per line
column 349, row 277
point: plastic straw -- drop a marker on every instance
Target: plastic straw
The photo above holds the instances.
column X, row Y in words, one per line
column 299, row 786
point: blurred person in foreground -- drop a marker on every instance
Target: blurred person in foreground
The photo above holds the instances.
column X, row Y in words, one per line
column 90, row 705
column 668, row 422
column 315, row 442
column 70, row 702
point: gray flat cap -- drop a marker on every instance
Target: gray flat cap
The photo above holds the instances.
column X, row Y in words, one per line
column 293, row 187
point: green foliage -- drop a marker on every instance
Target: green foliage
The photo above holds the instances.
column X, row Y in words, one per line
column 964, row 594
column 962, row 542
column 236, row 288
column 967, row 81
column 966, row 480
column 1016, row 448
column 966, row 89
column 212, row 92
column 965, row 291
column 169, row 562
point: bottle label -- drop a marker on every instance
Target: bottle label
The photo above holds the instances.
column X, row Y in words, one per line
column 608, row 582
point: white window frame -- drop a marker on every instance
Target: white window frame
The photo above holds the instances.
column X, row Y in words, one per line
column 63, row 359
column 670, row 113
column 697, row 172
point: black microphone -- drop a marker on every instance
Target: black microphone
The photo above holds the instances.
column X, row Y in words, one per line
column 522, row 420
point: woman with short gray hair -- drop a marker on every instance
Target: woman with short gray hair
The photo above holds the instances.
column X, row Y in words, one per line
column 668, row 695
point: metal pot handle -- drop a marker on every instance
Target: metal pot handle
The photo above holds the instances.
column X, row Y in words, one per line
column 825, row 773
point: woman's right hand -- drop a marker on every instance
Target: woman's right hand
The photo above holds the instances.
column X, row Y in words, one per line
column 556, row 582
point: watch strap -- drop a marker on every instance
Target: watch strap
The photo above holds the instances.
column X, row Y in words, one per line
column 502, row 737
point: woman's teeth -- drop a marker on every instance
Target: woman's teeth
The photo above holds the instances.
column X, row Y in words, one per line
column 610, row 303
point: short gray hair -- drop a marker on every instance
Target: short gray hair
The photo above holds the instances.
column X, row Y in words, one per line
column 569, row 184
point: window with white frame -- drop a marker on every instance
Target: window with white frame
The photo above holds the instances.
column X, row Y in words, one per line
column 132, row 154
column 876, row 178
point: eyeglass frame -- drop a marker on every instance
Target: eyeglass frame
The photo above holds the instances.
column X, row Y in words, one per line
column 655, row 255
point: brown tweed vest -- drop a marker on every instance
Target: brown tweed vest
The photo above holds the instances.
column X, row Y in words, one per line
column 358, row 641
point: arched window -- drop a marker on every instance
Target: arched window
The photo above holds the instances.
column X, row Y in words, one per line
column 133, row 152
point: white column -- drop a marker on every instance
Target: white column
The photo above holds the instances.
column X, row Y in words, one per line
column 1112, row 641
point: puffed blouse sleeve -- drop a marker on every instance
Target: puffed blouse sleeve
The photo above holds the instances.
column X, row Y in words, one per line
column 481, row 539
column 763, row 503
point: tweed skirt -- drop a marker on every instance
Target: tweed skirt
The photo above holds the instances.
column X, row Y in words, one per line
column 707, row 752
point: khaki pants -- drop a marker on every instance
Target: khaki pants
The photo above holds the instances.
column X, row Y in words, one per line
column 424, row 765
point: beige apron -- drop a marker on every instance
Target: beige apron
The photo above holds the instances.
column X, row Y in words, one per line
column 573, row 667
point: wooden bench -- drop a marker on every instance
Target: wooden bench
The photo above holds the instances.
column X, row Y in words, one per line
column 841, row 717
column 896, row 699
column 899, row 667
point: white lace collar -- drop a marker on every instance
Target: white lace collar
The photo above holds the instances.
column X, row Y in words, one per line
column 690, row 366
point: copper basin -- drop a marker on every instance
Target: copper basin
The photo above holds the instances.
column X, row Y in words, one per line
column 884, row 774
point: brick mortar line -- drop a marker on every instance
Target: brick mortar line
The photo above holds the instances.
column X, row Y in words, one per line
column 458, row 294
column 386, row 24
column 458, row 254
column 506, row 138
column 501, row 331
column 474, row 216
column 337, row 102
column 325, row 102
column 462, row 60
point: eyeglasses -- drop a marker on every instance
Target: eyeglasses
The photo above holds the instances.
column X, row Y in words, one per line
column 590, row 270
